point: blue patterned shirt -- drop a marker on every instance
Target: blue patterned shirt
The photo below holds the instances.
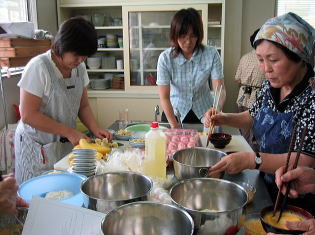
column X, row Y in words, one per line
column 301, row 104
column 189, row 79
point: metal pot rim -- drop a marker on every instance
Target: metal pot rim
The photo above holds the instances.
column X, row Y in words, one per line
column 221, row 180
column 154, row 203
column 117, row 172
column 183, row 164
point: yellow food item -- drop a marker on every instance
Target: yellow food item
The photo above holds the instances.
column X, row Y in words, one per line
column 77, row 147
column 250, row 195
column 70, row 158
column 286, row 216
column 123, row 132
column 100, row 156
column 99, row 148
column 140, row 140
column 253, row 227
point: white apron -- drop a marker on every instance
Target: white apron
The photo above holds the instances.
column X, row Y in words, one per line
column 37, row 151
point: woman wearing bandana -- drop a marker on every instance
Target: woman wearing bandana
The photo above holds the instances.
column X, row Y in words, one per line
column 284, row 49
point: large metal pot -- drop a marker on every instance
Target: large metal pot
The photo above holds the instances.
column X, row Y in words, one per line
column 195, row 162
column 215, row 205
column 147, row 218
column 113, row 189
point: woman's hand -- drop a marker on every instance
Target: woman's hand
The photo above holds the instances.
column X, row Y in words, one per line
column 214, row 117
column 74, row 136
column 99, row 133
column 303, row 180
column 21, row 202
column 233, row 163
column 306, row 225
column 8, row 189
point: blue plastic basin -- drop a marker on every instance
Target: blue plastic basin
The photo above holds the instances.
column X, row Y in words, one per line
column 41, row 185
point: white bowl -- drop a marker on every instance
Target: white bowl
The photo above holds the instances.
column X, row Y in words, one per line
column 94, row 62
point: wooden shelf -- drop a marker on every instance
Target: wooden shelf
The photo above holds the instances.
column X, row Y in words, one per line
column 16, row 52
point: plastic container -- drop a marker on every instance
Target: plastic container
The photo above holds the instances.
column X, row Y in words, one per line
column 178, row 139
column 155, row 152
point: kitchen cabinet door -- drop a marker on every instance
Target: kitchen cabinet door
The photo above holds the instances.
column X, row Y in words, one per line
column 146, row 34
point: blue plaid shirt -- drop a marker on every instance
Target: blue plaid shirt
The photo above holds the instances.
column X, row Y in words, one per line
column 189, row 79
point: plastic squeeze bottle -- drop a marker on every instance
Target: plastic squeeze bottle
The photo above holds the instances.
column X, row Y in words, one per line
column 155, row 152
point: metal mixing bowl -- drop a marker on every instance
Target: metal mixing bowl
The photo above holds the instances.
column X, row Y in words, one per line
column 215, row 205
column 147, row 218
column 113, row 189
column 195, row 162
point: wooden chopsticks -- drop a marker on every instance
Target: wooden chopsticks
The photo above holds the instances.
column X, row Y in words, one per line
column 291, row 148
column 216, row 101
column 286, row 168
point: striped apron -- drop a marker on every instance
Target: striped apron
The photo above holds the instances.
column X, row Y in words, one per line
column 37, row 151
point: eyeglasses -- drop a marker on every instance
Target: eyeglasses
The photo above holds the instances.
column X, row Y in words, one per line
column 188, row 37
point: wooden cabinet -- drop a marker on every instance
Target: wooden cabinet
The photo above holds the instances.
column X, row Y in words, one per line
column 136, row 32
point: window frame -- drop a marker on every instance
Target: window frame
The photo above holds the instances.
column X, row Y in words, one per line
column 31, row 15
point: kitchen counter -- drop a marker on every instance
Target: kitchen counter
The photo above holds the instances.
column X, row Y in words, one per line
column 238, row 144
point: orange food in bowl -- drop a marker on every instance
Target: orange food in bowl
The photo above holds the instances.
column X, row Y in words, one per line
column 286, row 216
column 254, row 227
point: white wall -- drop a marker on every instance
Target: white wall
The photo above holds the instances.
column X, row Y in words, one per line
column 242, row 17
column 47, row 15
column 12, row 96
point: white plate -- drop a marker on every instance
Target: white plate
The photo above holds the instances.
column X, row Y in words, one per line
column 122, row 137
column 83, row 168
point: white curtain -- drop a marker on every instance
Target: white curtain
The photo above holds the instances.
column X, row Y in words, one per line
column 303, row 8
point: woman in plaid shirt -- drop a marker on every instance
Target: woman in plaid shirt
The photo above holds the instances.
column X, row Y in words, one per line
column 185, row 70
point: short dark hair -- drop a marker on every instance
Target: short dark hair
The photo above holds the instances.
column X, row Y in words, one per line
column 182, row 21
column 253, row 36
column 75, row 35
column 288, row 53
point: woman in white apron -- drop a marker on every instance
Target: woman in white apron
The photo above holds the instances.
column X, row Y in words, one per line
column 52, row 95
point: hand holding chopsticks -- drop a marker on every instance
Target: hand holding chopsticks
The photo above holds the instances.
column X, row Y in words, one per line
column 291, row 148
column 288, row 186
column 215, row 105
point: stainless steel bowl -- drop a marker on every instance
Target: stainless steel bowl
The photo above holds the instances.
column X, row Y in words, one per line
column 195, row 162
column 147, row 218
column 215, row 205
column 110, row 190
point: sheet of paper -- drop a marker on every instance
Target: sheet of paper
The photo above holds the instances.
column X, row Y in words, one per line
column 55, row 218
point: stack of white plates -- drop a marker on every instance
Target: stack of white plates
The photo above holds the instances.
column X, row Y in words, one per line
column 84, row 161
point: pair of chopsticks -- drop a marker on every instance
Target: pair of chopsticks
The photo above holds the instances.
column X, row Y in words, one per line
column 288, row 185
column 216, row 101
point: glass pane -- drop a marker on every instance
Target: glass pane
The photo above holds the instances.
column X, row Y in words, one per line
column 13, row 11
column 148, row 37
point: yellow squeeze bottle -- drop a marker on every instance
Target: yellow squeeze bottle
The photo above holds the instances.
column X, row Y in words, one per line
column 155, row 152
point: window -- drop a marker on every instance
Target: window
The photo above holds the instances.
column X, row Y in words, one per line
column 17, row 11
column 13, row 10
column 303, row 8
